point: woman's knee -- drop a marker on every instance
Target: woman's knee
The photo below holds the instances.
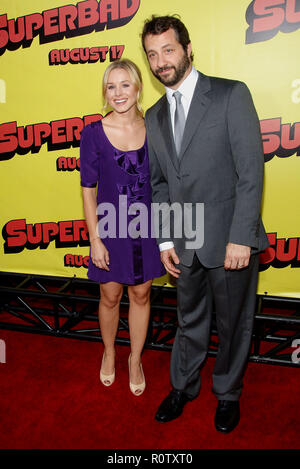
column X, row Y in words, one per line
column 139, row 295
column 110, row 296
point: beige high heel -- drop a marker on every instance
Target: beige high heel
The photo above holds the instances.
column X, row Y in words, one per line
column 136, row 389
column 107, row 380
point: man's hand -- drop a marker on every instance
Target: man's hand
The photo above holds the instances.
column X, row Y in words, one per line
column 237, row 256
column 169, row 258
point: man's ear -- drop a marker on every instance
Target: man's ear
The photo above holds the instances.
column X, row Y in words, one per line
column 189, row 49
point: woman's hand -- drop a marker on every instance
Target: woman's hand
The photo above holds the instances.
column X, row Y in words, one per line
column 99, row 254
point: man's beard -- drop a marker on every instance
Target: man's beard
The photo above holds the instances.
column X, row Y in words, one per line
column 179, row 72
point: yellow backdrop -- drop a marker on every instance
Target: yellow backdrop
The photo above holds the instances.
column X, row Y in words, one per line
column 53, row 55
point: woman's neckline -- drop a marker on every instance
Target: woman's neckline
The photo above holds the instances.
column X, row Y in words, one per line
column 118, row 149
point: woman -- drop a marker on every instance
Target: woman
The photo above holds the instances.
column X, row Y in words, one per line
column 113, row 156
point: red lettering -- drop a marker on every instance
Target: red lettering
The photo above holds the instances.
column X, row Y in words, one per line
column 49, row 229
column 282, row 250
column 33, row 23
column 268, row 255
column 65, row 55
column 23, row 142
column 272, row 17
column 292, row 16
column 37, row 237
column 69, row 259
column 120, row 50
column 113, row 52
column 56, row 22
column 72, row 163
column 74, row 127
column 116, row 52
column 92, row 118
column 292, row 249
column 16, row 231
column 67, row 15
column 18, row 234
column 3, row 34
column 8, row 141
column 42, row 130
column 286, row 142
column 51, row 22
column 88, row 13
column 54, row 56
column 58, row 131
column 94, row 54
column 127, row 11
column 63, row 131
column 74, row 55
column 66, row 232
column 80, row 230
column 14, row 36
column 78, row 261
column 109, row 7
column 102, row 51
column 271, row 142
column 62, row 163
column 84, row 54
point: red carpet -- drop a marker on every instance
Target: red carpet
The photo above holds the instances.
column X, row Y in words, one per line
column 51, row 397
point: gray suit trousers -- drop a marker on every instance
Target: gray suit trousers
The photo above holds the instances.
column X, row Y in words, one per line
column 233, row 294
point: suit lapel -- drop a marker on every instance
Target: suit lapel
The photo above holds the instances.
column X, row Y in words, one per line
column 165, row 128
column 198, row 108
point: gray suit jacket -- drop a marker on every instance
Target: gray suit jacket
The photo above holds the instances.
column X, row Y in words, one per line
column 221, row 165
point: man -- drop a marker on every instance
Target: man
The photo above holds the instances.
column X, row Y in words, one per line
column 205, row 147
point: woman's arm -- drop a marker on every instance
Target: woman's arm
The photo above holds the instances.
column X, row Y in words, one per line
column 99, row 253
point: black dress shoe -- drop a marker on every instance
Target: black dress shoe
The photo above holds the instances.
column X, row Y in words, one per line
column 172, row 406
column 227, row 416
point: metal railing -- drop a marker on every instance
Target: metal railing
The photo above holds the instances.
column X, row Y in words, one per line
column 68, row 307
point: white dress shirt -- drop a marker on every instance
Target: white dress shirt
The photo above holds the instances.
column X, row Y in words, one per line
column 187, row 89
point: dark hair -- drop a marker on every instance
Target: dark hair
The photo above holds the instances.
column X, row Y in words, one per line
column 161, row 24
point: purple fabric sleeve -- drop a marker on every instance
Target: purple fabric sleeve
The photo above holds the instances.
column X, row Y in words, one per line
column 89, row 163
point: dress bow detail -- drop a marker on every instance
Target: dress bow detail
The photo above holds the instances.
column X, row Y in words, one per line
column 134, row 190
column 131, row 162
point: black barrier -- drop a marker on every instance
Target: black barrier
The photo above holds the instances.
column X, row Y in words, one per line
column 68, row 308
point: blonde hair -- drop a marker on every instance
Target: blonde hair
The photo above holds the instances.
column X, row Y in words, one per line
column 135, row 76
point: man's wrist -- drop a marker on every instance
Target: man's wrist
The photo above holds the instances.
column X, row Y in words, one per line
column 166, row 245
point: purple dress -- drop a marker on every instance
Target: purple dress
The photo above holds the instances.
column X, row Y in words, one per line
column 123, row 178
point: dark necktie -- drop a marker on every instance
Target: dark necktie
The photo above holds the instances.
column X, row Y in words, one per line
column 179, row 121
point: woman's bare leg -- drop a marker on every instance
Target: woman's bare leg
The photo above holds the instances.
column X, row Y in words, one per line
column 110, row 297
column 139, row 313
